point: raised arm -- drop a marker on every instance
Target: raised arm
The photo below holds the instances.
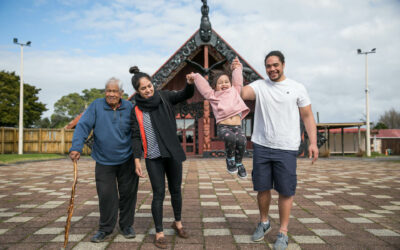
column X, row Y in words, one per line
column 202, row 85
column 237, row 74
column 181, row 95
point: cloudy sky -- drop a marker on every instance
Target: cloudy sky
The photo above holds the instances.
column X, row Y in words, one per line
column 79, row 44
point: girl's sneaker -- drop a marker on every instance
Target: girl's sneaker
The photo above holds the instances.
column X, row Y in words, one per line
column 231, row 165
column 241, row 171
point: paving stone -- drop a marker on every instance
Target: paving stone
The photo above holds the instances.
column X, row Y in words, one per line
column 327, row 232
column 91, row 246
column 246, row 239
column 371, row 215
column 216, row 232
column 7, row 214
column 325, row 203
column 310, row 220
column 19, row 219
column 138, row 238
column 358, row 220
column 71, row 238
column 50, row 230
column 73, row 218
column 304, row 239
column 391, row 207
column 230, row 207
column 214, row 219
column 351, row 207
column 383, row 232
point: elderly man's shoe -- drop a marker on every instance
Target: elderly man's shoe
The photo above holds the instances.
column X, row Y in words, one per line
column 99, row 237
column 128, row 232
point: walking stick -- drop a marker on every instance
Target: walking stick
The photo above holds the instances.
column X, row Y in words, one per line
column 71, row 205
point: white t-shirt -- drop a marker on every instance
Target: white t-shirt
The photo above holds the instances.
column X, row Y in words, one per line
column 276, row 115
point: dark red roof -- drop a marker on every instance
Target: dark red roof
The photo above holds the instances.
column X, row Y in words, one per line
column 388, row 133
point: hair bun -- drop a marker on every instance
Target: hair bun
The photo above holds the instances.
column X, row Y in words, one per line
column 134, row 70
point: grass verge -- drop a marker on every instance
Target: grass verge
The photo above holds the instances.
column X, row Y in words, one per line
column 13, row 158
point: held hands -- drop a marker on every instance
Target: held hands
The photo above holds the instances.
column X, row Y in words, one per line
column 190, row 78
column 313, row 152
column 236, row 64
column 74, row 155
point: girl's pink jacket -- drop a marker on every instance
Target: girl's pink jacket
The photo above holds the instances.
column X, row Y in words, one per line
column 225, row 103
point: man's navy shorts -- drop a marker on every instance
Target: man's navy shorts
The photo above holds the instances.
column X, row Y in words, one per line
column 274, row 168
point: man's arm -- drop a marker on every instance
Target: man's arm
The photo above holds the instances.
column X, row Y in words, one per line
column 248, row 93
column 82, row 131
column 309, row 122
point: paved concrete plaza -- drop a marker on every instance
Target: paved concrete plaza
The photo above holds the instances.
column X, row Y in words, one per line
column 340, row 204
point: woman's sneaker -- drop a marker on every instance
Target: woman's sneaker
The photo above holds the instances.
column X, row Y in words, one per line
column 241, row 171
column 231, row 165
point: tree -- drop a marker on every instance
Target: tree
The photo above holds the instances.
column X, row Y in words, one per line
column 391, row 119
column 9, row 101
column 380, row 125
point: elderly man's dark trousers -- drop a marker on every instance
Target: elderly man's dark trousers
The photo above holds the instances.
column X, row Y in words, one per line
column 117, row 187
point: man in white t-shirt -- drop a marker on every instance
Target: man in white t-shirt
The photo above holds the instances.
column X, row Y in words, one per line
column 280, row 103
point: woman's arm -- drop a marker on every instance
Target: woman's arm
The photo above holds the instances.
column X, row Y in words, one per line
column 175, row 97
column 136, row 139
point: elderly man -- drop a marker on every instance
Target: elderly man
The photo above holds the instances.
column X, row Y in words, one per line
column 116, row 180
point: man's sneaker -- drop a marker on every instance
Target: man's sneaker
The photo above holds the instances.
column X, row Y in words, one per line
column 99, row 237
column 231, row 165
column 128, row 232
column 261, row 230
column 241, row 171
column 281, row 242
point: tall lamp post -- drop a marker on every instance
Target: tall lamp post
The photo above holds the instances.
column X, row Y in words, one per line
column 21, row 99
column 367, row 97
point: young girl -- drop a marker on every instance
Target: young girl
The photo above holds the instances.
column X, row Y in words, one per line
column 229, row 110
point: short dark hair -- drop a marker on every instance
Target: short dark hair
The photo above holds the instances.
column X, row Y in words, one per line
column 137, row 75
column 275, row 53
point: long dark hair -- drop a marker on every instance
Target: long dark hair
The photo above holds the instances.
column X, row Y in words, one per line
column 137, row 75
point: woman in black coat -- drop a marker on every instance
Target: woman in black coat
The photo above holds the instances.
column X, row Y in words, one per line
column 154, row 134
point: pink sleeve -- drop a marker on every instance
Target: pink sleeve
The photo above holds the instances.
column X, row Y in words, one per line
column 237, row 79
column 203, row 86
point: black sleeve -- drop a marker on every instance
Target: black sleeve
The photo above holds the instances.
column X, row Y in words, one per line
column 136, row 139
column 181, row 95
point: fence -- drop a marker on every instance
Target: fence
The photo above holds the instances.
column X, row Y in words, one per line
column 38, row 140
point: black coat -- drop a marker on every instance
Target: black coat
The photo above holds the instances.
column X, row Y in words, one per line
column 168, row 143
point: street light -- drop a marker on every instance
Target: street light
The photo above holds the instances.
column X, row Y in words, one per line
column 21, row 99
column 367, row 97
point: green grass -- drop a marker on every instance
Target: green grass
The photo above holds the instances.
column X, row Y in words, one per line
column 12, row 158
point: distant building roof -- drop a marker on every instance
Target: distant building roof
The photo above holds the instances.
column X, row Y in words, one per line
column 73, row 123
column 388, row 133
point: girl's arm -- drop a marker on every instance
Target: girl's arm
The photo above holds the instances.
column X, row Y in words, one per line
column 237, row 74
column 202, row 85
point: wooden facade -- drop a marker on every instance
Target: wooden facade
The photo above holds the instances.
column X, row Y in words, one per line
column 195, row 120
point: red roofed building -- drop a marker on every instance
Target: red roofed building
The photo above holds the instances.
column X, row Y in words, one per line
column 387, row 141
